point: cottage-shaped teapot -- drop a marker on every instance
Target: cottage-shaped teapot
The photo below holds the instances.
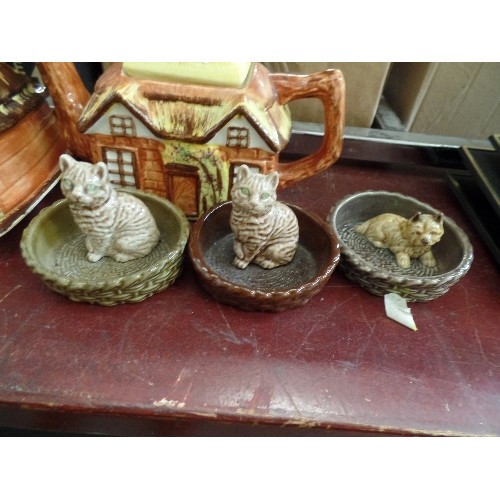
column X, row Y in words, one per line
column 181, row 130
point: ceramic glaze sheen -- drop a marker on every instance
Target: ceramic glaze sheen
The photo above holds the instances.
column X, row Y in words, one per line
column 405, row 238
column 182, row 364
column 182, row 139
column 266, row 231
column 116, row 224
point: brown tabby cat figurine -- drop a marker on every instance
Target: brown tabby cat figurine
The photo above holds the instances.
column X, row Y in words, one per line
column 266, row 231
column 116, row 224
column 405, row 238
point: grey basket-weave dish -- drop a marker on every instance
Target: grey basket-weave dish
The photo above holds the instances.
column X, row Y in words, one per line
column 376, row 270
column 54, row 248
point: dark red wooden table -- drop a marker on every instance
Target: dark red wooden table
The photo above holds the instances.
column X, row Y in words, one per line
column 180, row 363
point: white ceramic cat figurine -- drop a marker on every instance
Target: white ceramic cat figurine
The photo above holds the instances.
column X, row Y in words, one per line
column 116, row 224
column 266, row 231
column 405, row 238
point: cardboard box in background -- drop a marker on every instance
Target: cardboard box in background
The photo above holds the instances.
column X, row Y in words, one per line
column 446, row 98
column 364, row 83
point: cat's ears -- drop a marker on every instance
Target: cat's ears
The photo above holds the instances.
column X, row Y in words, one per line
column 438, row 218
column 65, row 161
column 101, row 170
column 273, row 179
column 243, row 172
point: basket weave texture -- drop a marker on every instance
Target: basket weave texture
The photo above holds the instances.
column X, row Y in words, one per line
column 454, row 252
column 54, row 249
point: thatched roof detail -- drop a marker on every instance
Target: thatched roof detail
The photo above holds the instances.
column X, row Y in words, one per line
column 191, row 112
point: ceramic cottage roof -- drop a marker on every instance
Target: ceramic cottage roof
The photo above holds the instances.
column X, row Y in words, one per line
column 191, row 112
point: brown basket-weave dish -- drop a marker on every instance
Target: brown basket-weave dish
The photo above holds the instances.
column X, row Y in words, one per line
column 378, row 273
column 54, row 249
column 254, row 288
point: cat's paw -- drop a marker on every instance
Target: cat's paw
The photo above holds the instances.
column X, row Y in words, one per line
column 123, row 257
column 238, row 249
column 428, row 260
column 403, row 261
column 266, row 263
column 240, row 263
column 94, row 257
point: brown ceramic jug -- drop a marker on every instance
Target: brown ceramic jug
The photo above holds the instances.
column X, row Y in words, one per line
column 184, row 140
column 30, row 144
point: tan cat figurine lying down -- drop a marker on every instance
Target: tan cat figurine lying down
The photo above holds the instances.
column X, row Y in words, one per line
column 405, row 238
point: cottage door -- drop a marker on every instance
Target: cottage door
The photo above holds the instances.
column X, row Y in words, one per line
column 183, row 184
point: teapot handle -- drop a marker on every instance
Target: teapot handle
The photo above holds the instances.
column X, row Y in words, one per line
column 329, row 87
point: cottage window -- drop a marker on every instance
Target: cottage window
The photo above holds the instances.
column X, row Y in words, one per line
column 237, row 137
column 121, row 165
column 122, row 125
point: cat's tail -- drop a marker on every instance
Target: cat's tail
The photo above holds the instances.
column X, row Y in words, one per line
column 362, row 228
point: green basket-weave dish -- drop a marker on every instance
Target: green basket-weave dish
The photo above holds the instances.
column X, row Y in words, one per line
column 54, row 249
